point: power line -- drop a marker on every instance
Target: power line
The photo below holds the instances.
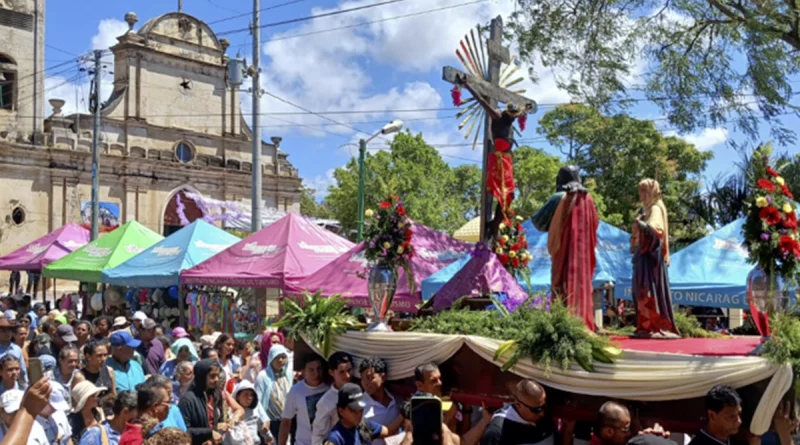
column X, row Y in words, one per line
column 245, row 14
column 61, row 50
column 314, row 113
column 312, row 17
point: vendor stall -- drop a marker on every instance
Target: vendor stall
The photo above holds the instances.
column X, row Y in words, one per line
column 346, row 275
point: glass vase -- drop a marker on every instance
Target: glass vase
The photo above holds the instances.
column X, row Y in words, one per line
column 767, row 291
column 381, row 287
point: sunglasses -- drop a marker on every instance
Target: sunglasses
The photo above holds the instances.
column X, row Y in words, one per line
column 533, row 409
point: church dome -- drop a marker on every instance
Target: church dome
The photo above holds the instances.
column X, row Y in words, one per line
column 177, row 27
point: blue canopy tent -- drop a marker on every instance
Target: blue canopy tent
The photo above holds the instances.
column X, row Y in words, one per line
column 711, row 272
column 612, row 251
column 161, row 264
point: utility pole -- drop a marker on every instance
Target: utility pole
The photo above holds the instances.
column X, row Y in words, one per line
column 96, row 145
column 257, row 171
column 362, row 154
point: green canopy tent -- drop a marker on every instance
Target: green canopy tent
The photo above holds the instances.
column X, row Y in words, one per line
column 87, row 263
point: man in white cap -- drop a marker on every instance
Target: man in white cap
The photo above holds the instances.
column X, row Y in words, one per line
column 151, row 350
column 10, row 403
column 119, row 323
column 53, row 417
column 137, row 319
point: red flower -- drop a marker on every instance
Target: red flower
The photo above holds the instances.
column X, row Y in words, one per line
column 511, row 212
column 519, row 227
column 406, row 244
column 501, row 242
column 385, row 205
column 787, row 245
column 772, row 172
column 401, row 210
column 786, row 192
column 516, row 247
column 766, row 184
column 770, row 215
column 503, row 259
column 408, row 235
column 515, row 262
column 790, row 221
column 525, row 261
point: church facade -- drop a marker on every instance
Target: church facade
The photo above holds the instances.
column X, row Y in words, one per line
column 172, row 124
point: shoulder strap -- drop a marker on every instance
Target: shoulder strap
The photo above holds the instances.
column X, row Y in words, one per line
column 103, row 435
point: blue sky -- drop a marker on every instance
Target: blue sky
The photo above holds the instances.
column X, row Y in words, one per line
column 394, row 64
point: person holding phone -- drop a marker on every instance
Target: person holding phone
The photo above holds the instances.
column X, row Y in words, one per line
column 525, row 421
column 352, row 429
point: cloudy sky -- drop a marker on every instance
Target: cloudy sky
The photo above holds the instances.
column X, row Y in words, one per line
column 377, row 64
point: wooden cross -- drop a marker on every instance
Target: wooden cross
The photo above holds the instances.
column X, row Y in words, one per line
column 490, row 89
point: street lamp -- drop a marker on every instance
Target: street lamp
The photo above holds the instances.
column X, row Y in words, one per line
column 392, row 127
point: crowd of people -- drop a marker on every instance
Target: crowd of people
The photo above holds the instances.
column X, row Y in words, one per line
column 124, row 381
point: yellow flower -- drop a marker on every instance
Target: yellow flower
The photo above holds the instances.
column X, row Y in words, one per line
column 761, row 202
column 399, row 225
column 368, row 213
column 519, row 218
column 779, row 180
column 499, row 251
column 505, row 238
column 502, row 226
column 512, row 254
column 387, row 245
column 787, row 208
column 400, row 250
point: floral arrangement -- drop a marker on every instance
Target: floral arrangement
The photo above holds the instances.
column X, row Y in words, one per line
column 770, row 231
column 511, row 245
column 389, row 233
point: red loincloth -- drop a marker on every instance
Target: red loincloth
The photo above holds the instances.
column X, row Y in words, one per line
column 574, row 263
column 500, row 179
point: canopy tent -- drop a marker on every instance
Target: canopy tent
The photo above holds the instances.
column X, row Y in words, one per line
column 161, row 264
column 711, row 272
column 37, row 254
column 481, row 275
column 346, row 275
column 433, row 283
column 286, row 251
column 112, row 249
column 469, row 232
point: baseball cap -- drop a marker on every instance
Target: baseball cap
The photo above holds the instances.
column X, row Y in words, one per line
column 351, row 396
column 11, row 400
column 148, row 323
column 179, row 332
column 61, row 319
column 139, row 315
column 120, row 321
column 66, row 333
column 124, row 338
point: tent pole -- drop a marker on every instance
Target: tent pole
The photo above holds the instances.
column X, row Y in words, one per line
column 181, row 305
column 102, row 299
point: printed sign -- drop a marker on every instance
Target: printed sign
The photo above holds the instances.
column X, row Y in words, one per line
column 108, row 218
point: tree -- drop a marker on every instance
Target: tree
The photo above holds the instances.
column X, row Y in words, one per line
column 616, row 152
column 467, row 185
column 432, row 193
column 309, row 205
column 707, row 62
column 535, row 174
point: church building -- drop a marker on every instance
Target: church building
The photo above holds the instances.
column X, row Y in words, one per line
column 171, row 125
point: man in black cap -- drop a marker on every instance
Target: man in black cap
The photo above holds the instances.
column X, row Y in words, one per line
column 64, row 336
column 352, row 429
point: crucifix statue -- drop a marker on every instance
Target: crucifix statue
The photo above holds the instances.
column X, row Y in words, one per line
column 488, row 86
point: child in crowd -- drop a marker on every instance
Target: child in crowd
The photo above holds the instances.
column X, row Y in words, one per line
column 255, row 418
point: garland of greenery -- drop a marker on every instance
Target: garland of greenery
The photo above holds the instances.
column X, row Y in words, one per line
column 784, row 344
column 546, row 337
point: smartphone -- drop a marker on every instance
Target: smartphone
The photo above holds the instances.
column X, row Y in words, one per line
column 426, row 419
column 35, row 370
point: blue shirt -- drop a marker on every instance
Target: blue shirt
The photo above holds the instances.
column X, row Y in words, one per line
column 15, row 351
column 92, row 436
column 340, row 435
column 34, row 320
column 174, row 419
column 126, row 376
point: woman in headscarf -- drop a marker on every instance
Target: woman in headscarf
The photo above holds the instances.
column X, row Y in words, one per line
column 650, row 248
column 272, row 385
column 184, row 350
column 205, row 406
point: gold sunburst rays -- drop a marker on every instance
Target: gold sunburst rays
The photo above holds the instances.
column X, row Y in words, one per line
column 473, row 55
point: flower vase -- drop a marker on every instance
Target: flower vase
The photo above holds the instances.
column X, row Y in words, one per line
column 381, row 287
column 766, row 294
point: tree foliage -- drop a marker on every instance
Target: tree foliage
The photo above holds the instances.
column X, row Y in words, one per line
column 535, row 174
column 309, row 205
column 703, row 62
column 434, row 194
column 615, row 152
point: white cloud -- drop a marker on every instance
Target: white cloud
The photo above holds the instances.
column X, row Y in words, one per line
column 708, row 138
column 107, row 32
column 320, row 184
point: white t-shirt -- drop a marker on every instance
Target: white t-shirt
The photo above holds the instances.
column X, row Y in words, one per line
column 56, row 426
column 36, row 437
column 326, row 416
column 301, row 403
column 383, row 415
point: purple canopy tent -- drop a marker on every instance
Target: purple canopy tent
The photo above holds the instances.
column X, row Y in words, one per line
column 37, row 254
column 346, row 275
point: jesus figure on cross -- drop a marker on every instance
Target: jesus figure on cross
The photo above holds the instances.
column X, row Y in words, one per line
column 500, row 175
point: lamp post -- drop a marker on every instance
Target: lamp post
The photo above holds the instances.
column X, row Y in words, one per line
column 392, row 127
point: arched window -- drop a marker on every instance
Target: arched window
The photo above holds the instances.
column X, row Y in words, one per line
column 8, row 82
column 184, row 152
